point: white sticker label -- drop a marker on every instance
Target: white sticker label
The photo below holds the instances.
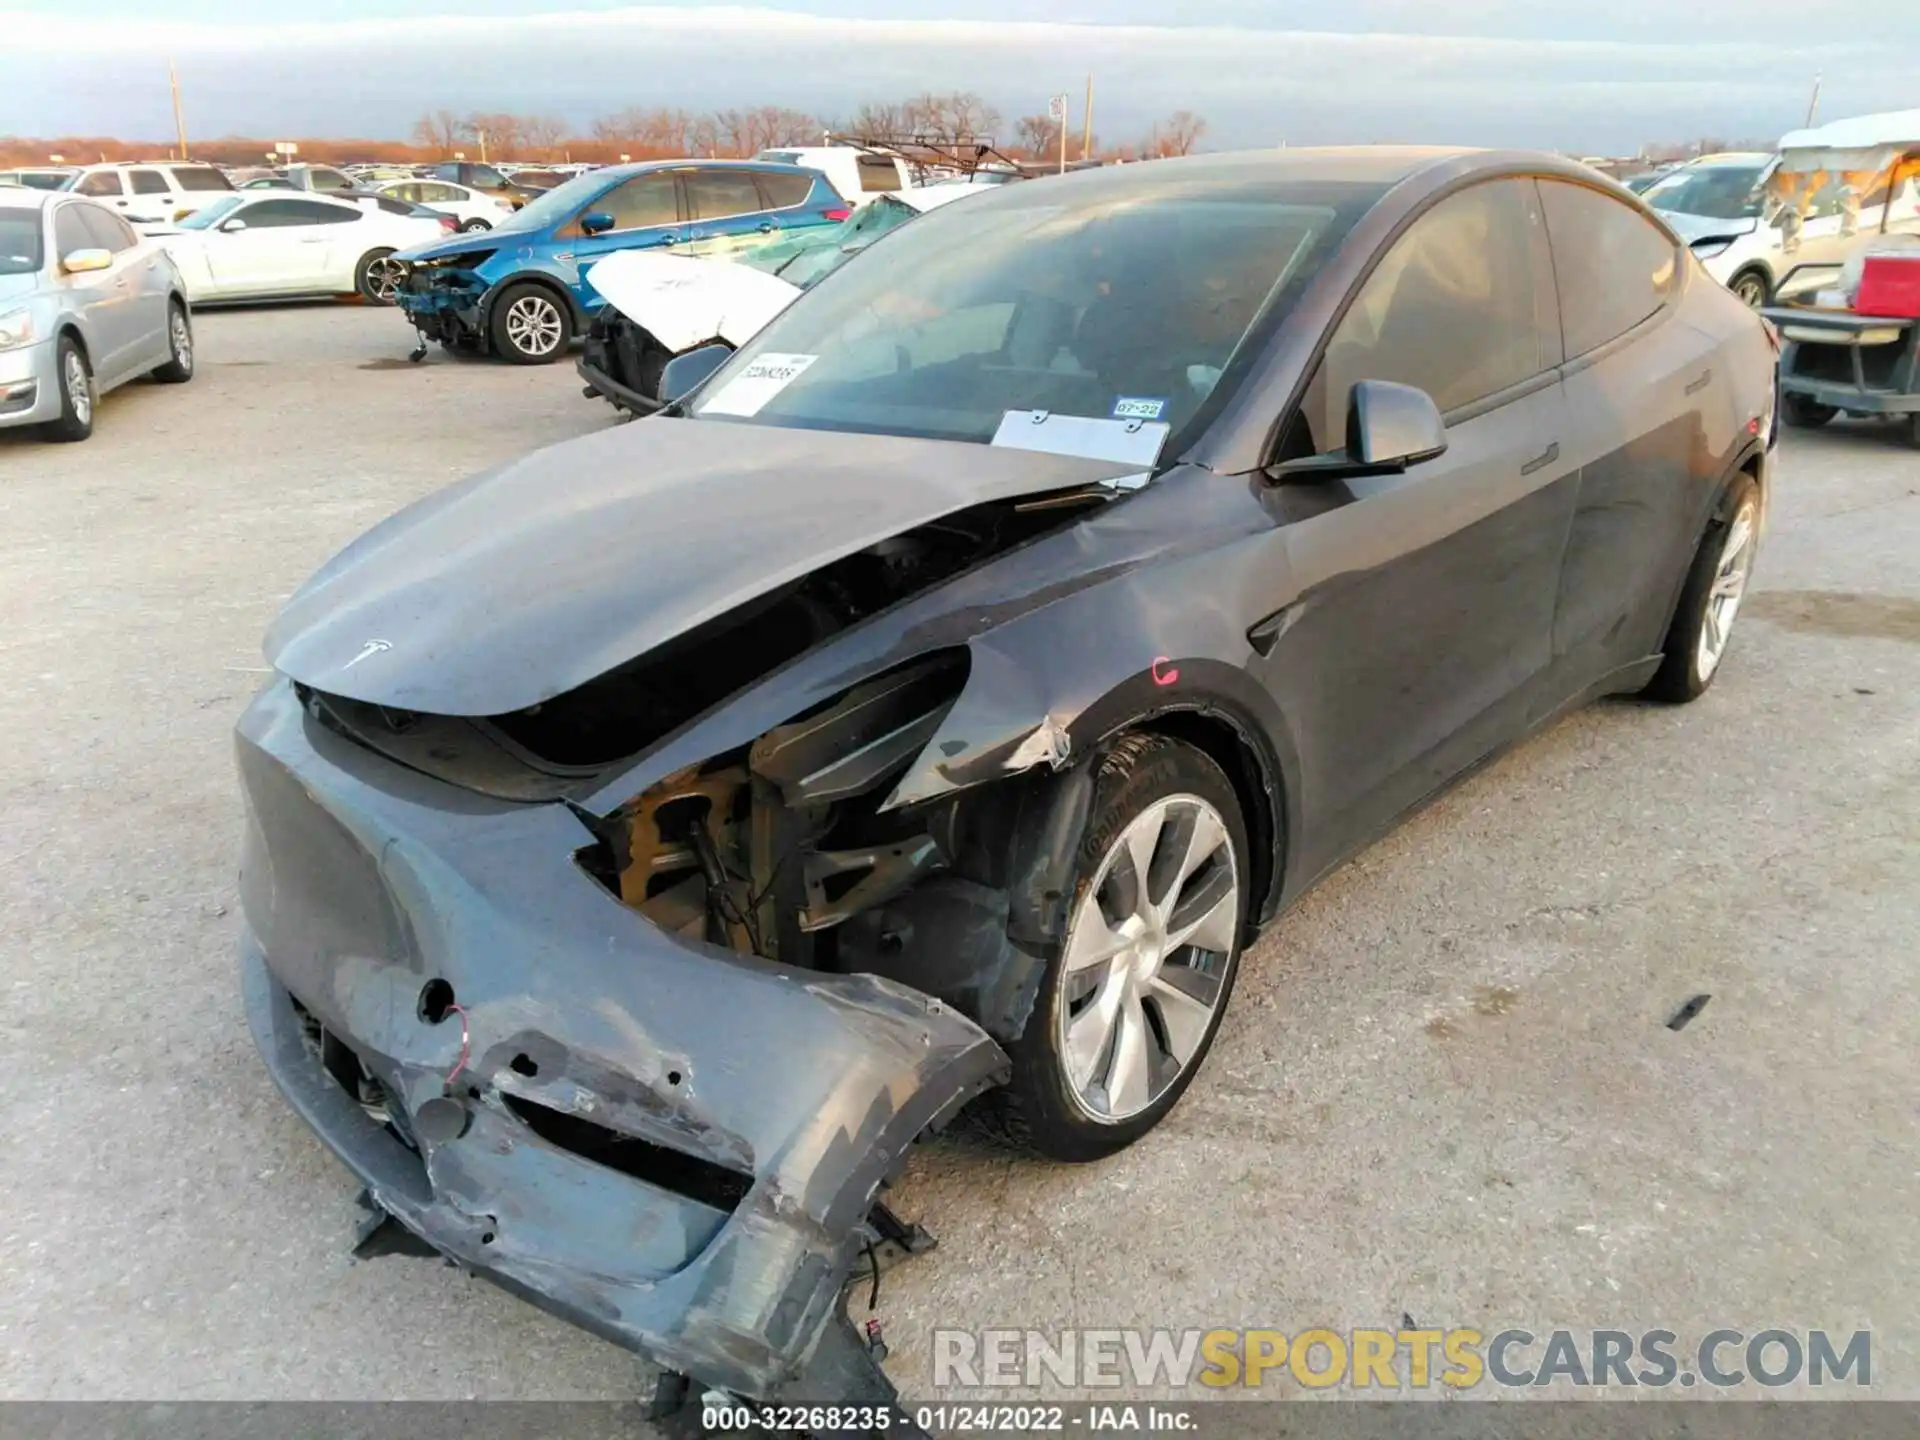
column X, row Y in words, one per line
column 749, row 391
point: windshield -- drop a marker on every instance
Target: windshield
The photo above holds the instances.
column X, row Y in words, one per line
column 1110, row 302
column 1716, row 192
column 555, row 206
column 212, row 213
column 20, row 252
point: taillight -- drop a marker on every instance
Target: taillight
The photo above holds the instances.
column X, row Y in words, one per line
column 839, row 212
column 449, row 224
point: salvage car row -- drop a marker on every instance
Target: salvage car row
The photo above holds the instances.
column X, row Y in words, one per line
column 648, row 840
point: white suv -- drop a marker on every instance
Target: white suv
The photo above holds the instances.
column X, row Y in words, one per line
column 156, row 194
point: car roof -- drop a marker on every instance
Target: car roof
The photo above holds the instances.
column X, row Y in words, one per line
column 643, row 167
column 27, row 198
column 1861, row 132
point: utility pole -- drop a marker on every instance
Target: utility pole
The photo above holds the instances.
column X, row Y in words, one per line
column 179, row 118
column 1057, row 112
column 1813, row 105
column 481, row 136
column 1086, row 134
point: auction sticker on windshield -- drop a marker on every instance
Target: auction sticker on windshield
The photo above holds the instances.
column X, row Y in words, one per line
column 749, row 391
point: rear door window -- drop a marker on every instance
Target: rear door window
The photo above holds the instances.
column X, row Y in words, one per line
column 276, row 214
column 1612, row 266
column 325, row 179
column 722, row 194
column 148, row 182
column 1452, row 308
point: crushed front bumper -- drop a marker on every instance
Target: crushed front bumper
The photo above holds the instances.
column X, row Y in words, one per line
column 445, row 304
column 621, row 364
column 754, row 1111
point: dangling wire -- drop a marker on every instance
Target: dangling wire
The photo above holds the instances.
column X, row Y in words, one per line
column 466, row 1046
column 873, row 1260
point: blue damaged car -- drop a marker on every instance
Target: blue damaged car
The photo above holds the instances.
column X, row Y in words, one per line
column 520, row 290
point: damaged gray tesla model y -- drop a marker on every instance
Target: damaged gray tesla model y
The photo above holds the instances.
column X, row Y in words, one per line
column 650, row 839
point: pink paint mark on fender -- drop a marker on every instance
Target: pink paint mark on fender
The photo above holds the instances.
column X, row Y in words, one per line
column 1164, row 671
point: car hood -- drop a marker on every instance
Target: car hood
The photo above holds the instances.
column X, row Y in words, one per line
column 480, row 242
column 1701, row 227
column 521, row 584
column 681, row 300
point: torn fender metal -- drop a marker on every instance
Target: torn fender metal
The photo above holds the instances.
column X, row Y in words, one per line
column 742, row 1116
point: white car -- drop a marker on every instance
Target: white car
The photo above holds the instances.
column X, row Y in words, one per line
column 270, row 244
column 859, row 175
column 471, row 209
column 150, row 195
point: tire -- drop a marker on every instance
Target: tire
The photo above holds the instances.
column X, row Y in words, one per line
column 377, row 277
column 1803, row 413
column 1725, row 557
column 474, row 226
column 529, row 325
column 1054, row 1100
column 1752, row 287
column 1913, row 430
column 78, row 397
column 179, row 368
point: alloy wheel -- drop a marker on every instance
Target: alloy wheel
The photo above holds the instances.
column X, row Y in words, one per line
column 1729, row 587
column 534, row 325
column 383, row 278
column 79, row 388
column 1146, row 958
column 1752, row 291
column 181, row 336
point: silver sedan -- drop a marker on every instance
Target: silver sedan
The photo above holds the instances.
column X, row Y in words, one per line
column 85, row 305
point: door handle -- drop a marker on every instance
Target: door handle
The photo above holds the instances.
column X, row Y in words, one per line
column 768, row 227
column 669, row 239
column 1545, row 458
column 1700, row 382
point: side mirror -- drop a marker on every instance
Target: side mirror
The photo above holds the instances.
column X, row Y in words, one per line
column 232, row 227
column 1389, row 427
column 79, row 262
column 595, row 222
column 688, row 371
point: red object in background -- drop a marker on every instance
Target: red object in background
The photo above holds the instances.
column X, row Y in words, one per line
column 838, row 212
column 1890, row 286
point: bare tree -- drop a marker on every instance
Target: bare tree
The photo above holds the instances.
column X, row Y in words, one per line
column 543, row 134
column 871, row 119
column 437, row 130
column 1175, row 135
column 1039, row 135
column 497, row 133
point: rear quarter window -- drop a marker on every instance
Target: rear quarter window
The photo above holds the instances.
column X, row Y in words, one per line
column 1613, row 267
column 784, row 191
column 878, row 175
column 199, row 177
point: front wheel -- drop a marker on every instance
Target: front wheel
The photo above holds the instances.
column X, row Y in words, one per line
column 474, row 226
column 1703, row 621
column 377, row 277
column 529, row 325
column 1752, row 288
column 77, row 394
column 1130, row 1003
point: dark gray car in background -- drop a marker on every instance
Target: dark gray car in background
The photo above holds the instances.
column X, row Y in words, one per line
column 648, row 840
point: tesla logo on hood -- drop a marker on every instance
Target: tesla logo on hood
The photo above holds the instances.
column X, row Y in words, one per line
column 367, row 651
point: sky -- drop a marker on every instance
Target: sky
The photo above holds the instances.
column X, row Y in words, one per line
column 1596, row 78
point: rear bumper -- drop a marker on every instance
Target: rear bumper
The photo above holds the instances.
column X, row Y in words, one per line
column 362, row 881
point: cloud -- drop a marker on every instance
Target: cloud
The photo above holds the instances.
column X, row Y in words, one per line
column 1256, row 84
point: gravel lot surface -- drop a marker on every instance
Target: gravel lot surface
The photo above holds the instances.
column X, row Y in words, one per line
column 1445, row 1088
